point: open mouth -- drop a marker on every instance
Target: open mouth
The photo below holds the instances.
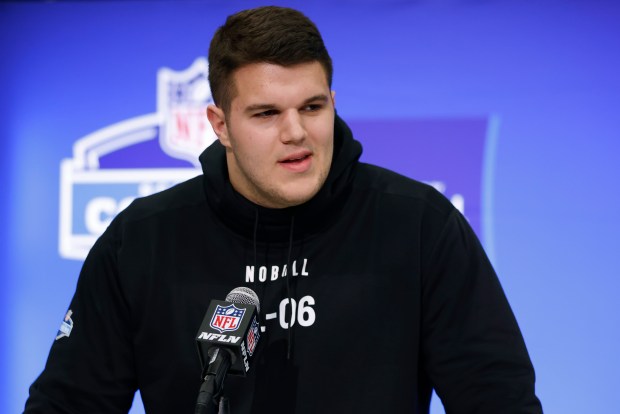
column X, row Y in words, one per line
column 296, row 160
column 300, row 162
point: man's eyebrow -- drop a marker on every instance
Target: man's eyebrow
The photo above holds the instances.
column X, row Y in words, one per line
column 259, row 107
column 316, row 98
column 266, row 106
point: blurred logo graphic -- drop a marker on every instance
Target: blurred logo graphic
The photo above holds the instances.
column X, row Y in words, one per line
column 134, row 158
column 66, row 326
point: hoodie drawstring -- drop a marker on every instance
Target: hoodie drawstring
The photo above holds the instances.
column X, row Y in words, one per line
column 288, row 277
column 288, row 289
column 255, row 283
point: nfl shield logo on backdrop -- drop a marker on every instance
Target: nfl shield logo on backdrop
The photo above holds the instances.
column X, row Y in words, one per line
column 227, row 318
column 182, row 99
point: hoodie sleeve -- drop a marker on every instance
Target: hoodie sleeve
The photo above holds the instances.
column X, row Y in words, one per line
column 91, row 369
column 473, row 350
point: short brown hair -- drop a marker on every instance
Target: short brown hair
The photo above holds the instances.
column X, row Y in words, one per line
column 276, row 35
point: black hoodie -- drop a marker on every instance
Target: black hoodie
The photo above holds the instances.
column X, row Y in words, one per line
column 372, row 293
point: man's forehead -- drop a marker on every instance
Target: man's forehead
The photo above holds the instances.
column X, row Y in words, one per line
column 265, row 83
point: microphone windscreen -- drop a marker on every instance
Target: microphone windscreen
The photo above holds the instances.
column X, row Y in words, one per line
column 245, row 296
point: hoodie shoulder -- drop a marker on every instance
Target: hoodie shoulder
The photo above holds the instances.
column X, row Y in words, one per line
column 389, row 184
column 189, row 193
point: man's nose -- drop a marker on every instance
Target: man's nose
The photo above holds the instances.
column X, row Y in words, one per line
column 292, row 127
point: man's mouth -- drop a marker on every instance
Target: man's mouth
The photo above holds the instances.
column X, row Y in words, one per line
column 296, row 159
column 299, row 162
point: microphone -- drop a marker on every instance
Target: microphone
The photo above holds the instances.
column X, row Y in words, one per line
column 227, row 341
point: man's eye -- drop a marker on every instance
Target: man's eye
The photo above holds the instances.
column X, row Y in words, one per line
column 266, row 114
column 312, row 107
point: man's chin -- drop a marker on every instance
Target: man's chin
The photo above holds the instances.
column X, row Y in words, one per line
column 297, row 198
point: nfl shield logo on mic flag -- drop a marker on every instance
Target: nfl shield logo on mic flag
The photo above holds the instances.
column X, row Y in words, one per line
column 226, row 318
column 253, row 336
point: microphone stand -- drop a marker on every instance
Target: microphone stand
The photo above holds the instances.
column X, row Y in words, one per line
column 224, row 405
column 210, row 395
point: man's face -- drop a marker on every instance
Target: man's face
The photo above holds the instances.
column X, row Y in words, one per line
column 278, row 133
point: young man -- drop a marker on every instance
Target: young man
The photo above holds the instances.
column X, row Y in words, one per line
column 373, row 288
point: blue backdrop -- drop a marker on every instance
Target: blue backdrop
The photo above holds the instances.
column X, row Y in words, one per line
column 541, row 78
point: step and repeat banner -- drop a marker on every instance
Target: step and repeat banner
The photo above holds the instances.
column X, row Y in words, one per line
column 509, row 109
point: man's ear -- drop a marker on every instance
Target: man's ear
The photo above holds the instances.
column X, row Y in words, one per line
column 218, row 123
column 334, row 98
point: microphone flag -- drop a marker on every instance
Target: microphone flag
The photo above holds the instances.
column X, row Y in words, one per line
column 231, row 326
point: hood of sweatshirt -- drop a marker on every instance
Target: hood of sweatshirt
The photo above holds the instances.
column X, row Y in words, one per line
column 240, row 214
